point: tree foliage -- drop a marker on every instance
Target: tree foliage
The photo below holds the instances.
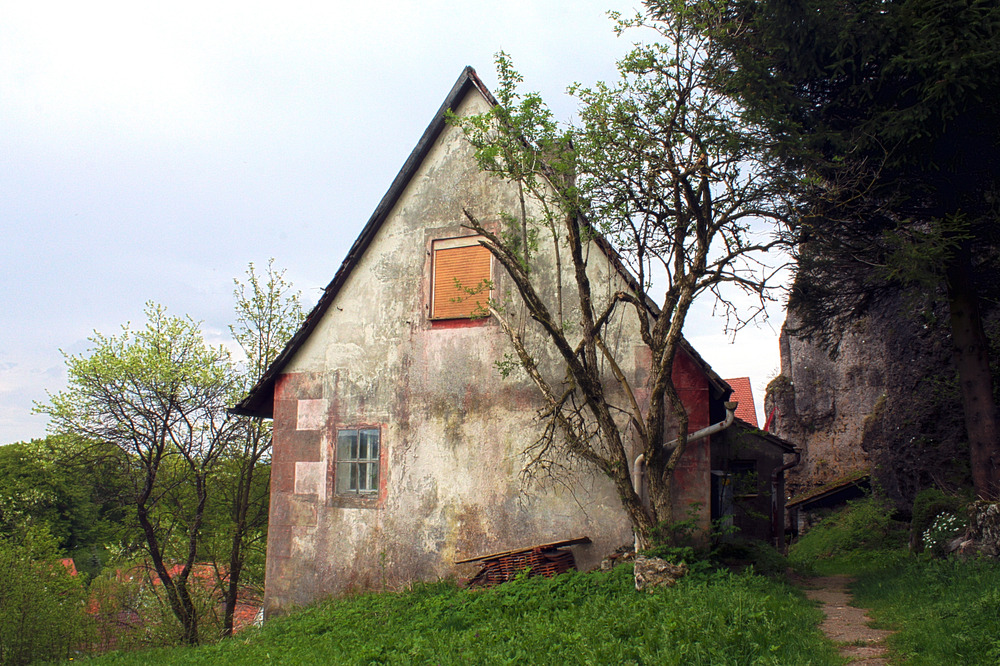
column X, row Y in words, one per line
column 655, row 174
column 159, row 396
column 887, row 113
column 41, row 605
column 45, row 485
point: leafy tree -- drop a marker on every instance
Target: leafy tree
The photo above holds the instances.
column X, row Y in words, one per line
column 158, row 395
column 41, row 604
column 268, row 313
column 887, row 113
column 44, row 484
column 656, row 172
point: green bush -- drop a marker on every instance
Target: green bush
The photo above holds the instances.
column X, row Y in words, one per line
column 864, row 527
column 927, row 506
column 42, row 613
column 945, row 527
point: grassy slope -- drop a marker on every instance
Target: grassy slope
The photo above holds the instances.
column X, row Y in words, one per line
column 945, row 611
column 595, row 618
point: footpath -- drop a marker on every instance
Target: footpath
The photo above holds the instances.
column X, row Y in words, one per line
column 846, row 625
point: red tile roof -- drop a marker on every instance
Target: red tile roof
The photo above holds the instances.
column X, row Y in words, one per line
column 743, row 394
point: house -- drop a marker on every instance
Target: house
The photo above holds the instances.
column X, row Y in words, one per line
column 398, row 446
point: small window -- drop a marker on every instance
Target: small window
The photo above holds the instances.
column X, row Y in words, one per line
column 357, row 471
column 460, row 280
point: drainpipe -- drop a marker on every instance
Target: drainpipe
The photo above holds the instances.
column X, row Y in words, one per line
column 778, row 501
column 639, row 464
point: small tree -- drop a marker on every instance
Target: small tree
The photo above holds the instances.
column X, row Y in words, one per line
column 268, row 313
column 158, row 395
column 659, row 174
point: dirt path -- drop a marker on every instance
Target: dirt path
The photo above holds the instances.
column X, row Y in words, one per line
column 844, row 624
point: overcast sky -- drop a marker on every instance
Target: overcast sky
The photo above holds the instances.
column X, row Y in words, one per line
column 150, row 151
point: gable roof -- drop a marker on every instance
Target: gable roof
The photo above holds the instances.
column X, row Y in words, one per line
column 743, row 394
column 260, row 400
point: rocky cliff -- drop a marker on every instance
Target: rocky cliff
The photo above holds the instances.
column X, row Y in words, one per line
column 887, row 403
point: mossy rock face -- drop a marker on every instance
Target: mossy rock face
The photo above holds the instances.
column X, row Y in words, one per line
column 779, row 386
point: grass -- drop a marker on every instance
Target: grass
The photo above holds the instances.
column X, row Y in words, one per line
column 944, row 611
column 593, row 618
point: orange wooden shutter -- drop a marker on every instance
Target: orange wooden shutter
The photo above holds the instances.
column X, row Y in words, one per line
column 470, row 266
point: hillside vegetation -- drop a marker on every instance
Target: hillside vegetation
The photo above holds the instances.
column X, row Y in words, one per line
column 575, row 618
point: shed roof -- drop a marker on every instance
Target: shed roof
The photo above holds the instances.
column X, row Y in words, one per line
column 768, row 437
column 260, row 400
column 847, row 487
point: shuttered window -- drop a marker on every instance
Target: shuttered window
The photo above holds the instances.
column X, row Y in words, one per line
column 461, row 278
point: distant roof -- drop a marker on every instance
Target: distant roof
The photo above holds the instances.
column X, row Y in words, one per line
column 259, row 401
column 743, row 394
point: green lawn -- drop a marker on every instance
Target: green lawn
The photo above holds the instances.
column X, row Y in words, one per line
column 943, row 610
column 592, row 618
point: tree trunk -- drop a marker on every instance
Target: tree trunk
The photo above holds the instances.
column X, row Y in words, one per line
column 976, row 382
column 175, row 587
column 241, row 506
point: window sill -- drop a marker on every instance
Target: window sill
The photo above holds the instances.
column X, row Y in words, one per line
column 465, row 322
column 357, row 501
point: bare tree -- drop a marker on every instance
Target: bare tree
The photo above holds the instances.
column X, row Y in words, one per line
column 658, row 176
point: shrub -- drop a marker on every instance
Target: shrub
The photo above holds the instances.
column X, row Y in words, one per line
column 927, row 506
column 945, row 527
column 41, row 605
column 865, row 525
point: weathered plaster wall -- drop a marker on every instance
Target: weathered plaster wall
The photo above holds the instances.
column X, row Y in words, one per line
column 452, row 430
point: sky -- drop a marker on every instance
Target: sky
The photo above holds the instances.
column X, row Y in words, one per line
column 151, row 151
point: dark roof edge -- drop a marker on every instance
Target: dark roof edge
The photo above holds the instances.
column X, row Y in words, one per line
column 259, row 401
column 854, row 479
column 769, row 437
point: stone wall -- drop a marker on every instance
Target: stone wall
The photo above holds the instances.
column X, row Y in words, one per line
column 824, row 404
